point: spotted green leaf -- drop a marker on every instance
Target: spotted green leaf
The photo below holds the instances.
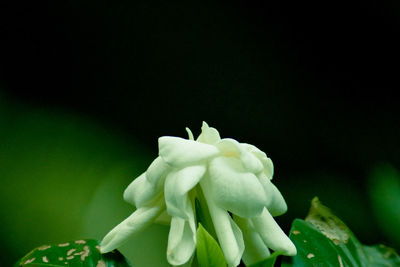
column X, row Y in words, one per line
column 82, row 253
column 322, row 239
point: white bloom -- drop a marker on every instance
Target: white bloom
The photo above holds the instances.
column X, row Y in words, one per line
column 232, row 176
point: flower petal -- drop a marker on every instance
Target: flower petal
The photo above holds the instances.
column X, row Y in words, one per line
column 141, row 192
column 255, row 150
column 177, row 186
column 190, row 134
column 229, row 147
column 148, row 186
column 255, row 250
column 229, row 235
column 266, row 162
column 234, row 189
column 181, row 240
column 251, row 162
column 157, row 169
column 232, row 148
column 208, row 135
column 179, row 152
column 139, row 219
column 268, row 167
column 272, row 234
column 276, row 204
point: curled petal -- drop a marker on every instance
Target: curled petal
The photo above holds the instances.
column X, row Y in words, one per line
column 139, row 219
column 229, row 147
column 255, row 150
column 234, row 189
column 141, row 192
column 230, row 238
column 181, row 240
column 232, row 148
column 177, row 186
column 208, row 135
column 148, row 186
column 272, row 234
column 276, row 204
column 157, row 169
column 179, row 152
column 255, row 250
column 251, row 162
column 190, row 134
column 268, row 167
column 229, row 235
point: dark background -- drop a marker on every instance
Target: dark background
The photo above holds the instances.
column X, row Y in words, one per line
column 312, row 84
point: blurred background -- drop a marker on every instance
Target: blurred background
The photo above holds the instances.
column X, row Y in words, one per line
column 87, row 87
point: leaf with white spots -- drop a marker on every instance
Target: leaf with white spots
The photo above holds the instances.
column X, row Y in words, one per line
column 324, row 240
column 83, row 253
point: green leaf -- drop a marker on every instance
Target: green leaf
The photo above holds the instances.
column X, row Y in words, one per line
column 267, row 262
column 209, row 254
column 83, row 253
column 324, row 240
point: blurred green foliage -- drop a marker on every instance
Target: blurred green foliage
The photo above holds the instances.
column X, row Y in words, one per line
column 62, row 178
column 384, row 188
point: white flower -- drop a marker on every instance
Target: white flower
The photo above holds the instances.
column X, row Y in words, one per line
column 232, row 176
